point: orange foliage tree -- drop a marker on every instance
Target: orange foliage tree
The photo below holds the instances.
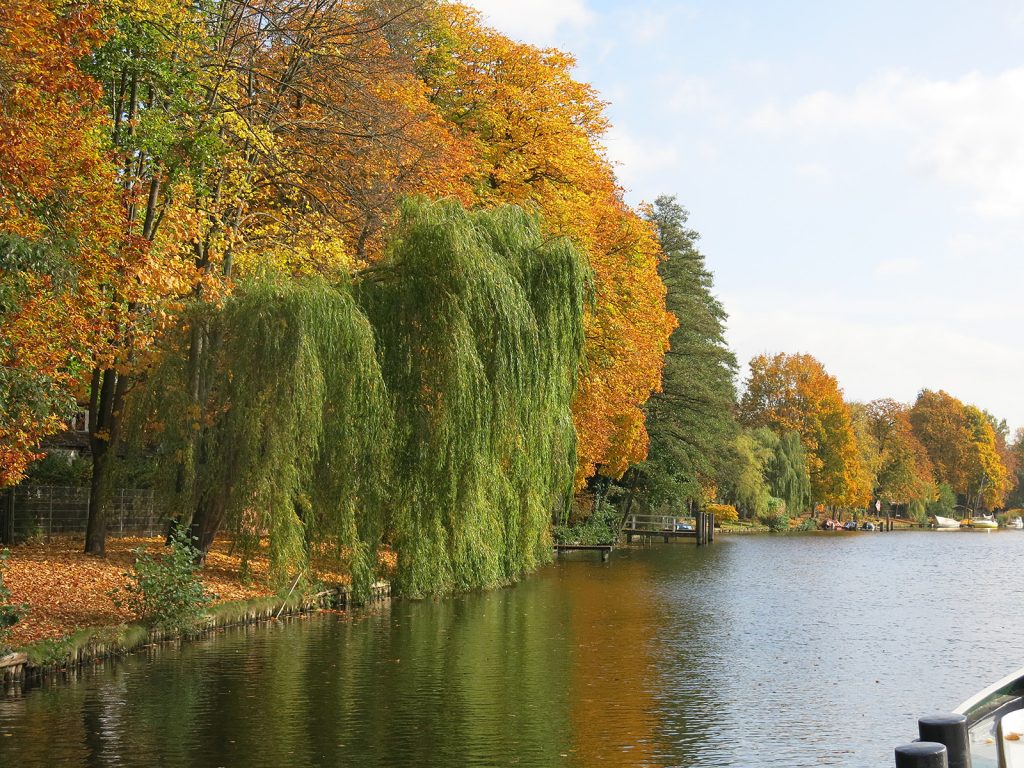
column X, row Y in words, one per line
column 794, row 392
column 58, row 214
column 533, row 132
column 905, row 472
column 961, row 443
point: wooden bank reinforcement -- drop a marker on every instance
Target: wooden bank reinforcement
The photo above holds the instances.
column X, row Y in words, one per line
column 45, row 659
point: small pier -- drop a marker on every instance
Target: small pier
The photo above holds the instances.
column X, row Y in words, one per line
column 668, row 527
column 604, row 549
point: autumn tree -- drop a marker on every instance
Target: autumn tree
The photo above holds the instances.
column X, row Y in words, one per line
column 534, row 135
column 961, row 442
column 57, row 220
column 904, row 473
column 795, row 393
column 691, row 421
column 253, row 137
column 940, row 423
column 988, row 479
column 1016, row 450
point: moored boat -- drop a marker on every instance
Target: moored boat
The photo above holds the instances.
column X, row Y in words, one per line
column 986, row 730
column 1015, row 522
column 946, row 523
column 983, row 522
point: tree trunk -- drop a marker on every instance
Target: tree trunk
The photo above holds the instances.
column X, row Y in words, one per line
column 99, row 502
column 205, row 523
column 106, row 404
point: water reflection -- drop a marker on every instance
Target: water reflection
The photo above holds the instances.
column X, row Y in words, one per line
column 818, row 650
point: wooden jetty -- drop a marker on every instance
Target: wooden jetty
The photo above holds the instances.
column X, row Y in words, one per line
column 668, row 527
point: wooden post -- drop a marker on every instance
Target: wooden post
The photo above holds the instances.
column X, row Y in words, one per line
column 711, row 528
column 949, row 730
column 921, row 754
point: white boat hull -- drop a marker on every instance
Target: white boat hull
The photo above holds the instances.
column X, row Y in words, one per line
column 946, row 523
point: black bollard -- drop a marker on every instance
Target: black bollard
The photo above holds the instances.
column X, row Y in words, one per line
column 949, row 729
column 922, row 754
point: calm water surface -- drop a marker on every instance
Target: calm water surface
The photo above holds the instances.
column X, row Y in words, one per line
column 757, row 651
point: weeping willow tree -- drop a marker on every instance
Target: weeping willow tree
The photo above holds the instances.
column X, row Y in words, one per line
column 430, row 408
column 479, row 323
column 785, row 469
column 290, row 436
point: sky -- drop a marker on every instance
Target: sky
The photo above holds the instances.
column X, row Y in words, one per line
column 856, row 171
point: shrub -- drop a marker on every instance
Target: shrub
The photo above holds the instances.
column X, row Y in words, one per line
column 917, row 511
column 775, row 516
column 166, row 592
column 724, row 513
column 9, row 612
column 601, row 527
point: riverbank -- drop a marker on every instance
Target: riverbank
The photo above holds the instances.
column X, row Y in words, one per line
column 66, row 590
column 71, row 619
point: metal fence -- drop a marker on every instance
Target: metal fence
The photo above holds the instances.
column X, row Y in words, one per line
column 43, row 511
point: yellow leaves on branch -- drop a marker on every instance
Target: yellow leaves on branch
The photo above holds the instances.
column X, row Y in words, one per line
column 795, row 393
column 534, row 135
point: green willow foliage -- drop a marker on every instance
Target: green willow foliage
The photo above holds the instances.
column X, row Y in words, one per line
column 785, row 470
column 479, row 327
column 428, row 407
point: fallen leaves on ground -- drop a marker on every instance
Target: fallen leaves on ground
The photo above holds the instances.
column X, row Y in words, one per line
column 66, row 589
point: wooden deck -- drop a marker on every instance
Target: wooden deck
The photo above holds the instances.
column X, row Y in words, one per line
column 667, row 527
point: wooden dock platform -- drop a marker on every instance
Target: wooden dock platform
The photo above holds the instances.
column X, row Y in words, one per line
column 667, row 527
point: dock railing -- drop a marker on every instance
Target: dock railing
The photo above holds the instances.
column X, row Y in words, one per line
column 670, row 526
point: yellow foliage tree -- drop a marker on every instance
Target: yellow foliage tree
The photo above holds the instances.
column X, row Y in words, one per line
column 794, row 392
column 533, row 133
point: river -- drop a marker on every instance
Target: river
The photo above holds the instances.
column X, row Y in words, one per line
column 803, row 650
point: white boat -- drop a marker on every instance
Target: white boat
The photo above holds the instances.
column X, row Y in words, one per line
column 995, row 723
column 986, row 522
column 1015, row 522
column 946, row 523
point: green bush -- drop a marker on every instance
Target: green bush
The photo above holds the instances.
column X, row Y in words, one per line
column 166, row 592
column 602, row 527
column 775, row 516
column 57, row 468
column 917, row 511
column 9, row 612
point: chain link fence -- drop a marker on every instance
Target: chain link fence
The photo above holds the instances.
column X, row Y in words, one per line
column 43, row 511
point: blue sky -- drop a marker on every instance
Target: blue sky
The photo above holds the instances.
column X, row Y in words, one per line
column 856, row 171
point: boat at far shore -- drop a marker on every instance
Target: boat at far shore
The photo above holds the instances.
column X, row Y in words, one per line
column 1015, row 522
column 983, row 522
column 946, row 523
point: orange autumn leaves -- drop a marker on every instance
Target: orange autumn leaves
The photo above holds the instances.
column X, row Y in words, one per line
column 316, row 144
column 533, row 134
column 57, row 209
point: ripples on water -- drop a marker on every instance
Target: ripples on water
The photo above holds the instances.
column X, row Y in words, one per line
column 757, row 651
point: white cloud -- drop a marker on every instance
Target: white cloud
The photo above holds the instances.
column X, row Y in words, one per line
column 874, row 354
column 535, row 21
column 886, row 270
column 634, row 159
column 814, row 171
column 687, row 93
column 967, row 133
column 648, row 27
